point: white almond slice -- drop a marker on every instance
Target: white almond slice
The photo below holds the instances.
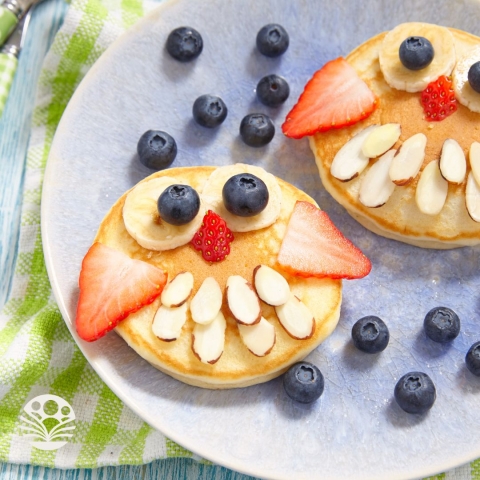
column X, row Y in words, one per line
column 258, row 338
column 207, row 302
column 296, row 318
column 209, row 340
column 453, row 164
column 177, row 291
column 409, row 159
column 377, row 187
column 381, row 140
column 349, row 162
column 242, row 300
column 472, row 197
column 270, row 285
column 432, row 190
column 168, row 322
column 474, row 157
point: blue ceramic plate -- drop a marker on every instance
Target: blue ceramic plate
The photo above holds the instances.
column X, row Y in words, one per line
column 356, row 429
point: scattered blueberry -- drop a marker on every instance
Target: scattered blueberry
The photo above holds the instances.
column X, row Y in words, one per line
column 245, row 195
column 415, row 392
column 257, row 130
column 474, row 76
column 156, row 149
column 472, row 359
column 370, row 334
column 209, row 111
column 272, row 90
column 416, row 53
column 184, row 44
column 303, row 382
column 272, row 40
column 178, row 204
column 441, row 324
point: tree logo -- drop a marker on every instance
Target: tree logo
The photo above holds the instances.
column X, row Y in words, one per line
column 47, row 418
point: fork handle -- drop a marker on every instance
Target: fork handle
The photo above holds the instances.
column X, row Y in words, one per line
column 8, row 21
column 8, row 66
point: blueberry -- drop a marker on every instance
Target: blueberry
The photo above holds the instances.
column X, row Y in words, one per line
column 272, row 40
column 257, row 130
column 472, row 359
column 474, row 76
column 156, row 149
column 209, row 111
column 370, row 334
column 303, row 382
column 184, row 44
column 272, row 90
column 416, row 53
column 415, row 392
column 178, row 204
column 441, row 324
column 245, row 195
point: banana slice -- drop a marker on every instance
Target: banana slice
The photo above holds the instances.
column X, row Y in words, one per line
column 144, row 224
column 400, row 77
column 464, row 93
column 212, row 196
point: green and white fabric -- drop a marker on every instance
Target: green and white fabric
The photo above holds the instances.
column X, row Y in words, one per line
column 8, row 65
column 37, row 353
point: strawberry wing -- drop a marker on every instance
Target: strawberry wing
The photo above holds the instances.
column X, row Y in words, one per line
column 333, row 98
column 113, row 285
column 314, row 247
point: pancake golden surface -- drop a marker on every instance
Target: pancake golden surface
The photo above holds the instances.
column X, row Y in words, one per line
column 237, row 366
column 400, row 218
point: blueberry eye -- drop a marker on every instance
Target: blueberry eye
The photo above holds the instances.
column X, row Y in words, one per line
column 245, row 195
column 178, row 204
column 416, row 53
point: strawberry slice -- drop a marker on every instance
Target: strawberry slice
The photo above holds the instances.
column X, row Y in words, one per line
column 333, row 98
column 314, row 247
column 113, row 285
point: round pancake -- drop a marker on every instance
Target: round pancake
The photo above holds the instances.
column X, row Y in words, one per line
column 237, row 367
column 400, row 217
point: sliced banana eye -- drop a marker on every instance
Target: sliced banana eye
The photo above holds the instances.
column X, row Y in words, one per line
column 464, row 92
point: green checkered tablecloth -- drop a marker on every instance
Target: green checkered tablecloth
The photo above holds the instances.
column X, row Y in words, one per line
column 37, row 353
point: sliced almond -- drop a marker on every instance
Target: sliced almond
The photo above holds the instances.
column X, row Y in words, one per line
column 409, row 158
column 296, row 318
column 453, row 164
column 168, row 322
column 271, row 286
column 474, row 157
column 207, row 302
column 208, row 340
column 242, row 300
column 349, row 161
column 472, row 197
column 381, row 139
column 178, row 290
column 432, row 190
column 258, row 338
column 377, row 187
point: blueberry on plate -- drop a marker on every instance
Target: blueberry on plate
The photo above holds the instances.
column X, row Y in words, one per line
column 156, row 149
column 472, row 359
column 415, row 392
column 474, row 76
column 257, row 129
column 370, row 334
column 245, row 195
column 209, row 111
column 272, row 40
column 178, row 204
column 184, row 44
column 441, row 324
column 272, row 90
column 416, row 53
column 303, row 382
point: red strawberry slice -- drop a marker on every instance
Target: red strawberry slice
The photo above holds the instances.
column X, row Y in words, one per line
column 333, row 98
column 113, row 285
column 438, row 99
column 314, row 247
